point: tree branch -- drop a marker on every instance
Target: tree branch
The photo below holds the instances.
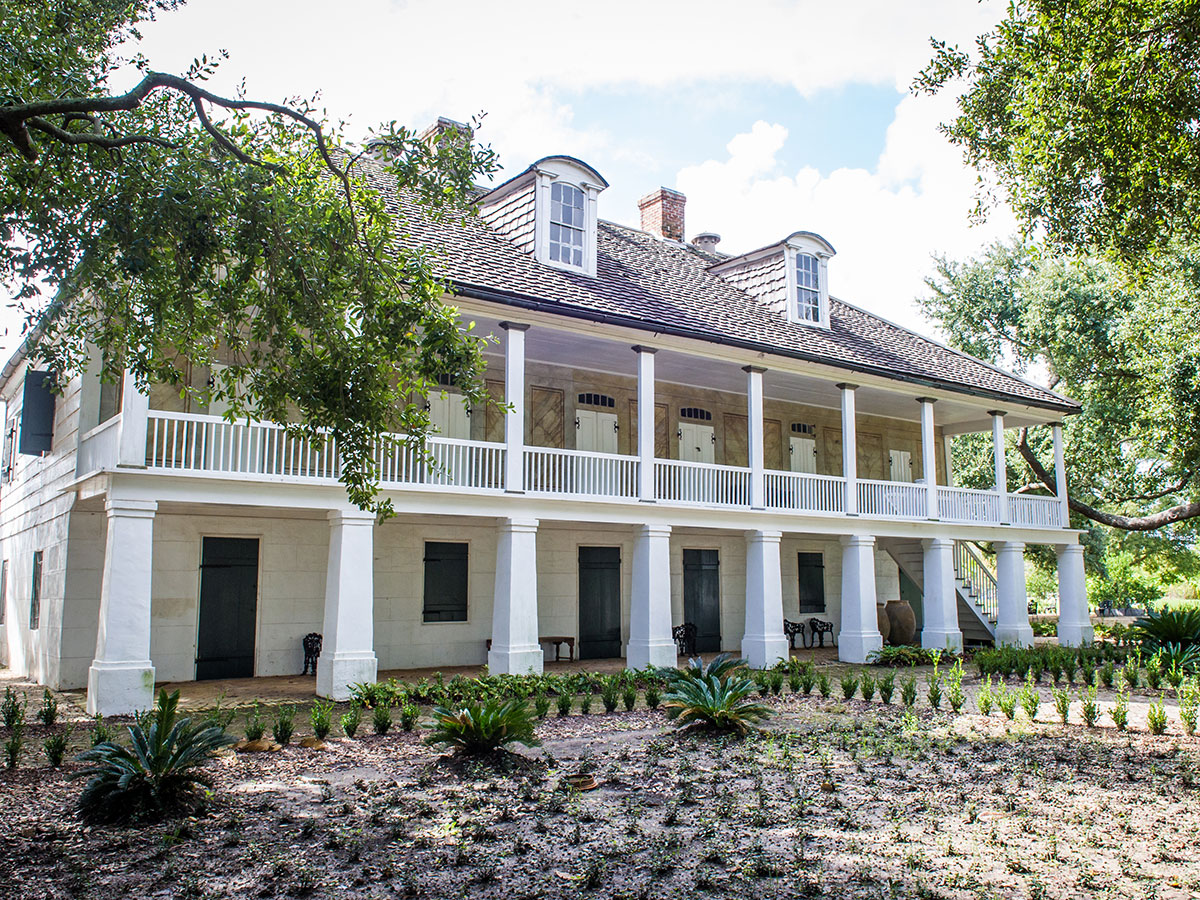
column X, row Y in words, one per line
column 97, row 140
column 1178, row 513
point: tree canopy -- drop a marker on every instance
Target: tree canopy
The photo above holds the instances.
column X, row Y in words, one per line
column 176, row 227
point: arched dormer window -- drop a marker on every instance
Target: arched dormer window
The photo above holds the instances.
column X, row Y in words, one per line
column 567, row 224
column 807, row 258
column 808, row 287
column 565, row 210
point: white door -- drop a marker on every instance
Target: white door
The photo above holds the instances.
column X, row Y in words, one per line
column 901, row 461
column 595, row 431
column 448, row 417
column 804, row 454
column 696, row 442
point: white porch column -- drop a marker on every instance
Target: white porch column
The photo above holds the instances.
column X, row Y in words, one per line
column 763, row 643
column 940, row 631
column 850, row 450
column 859, row 636
column 646, row 414
column 135, row 413
column 1060, row 474
column 1012, row 616
column 348, row 646
column 1001, row 472
column 754, row 416
column 514, row 397
column 121, row 677
column 515, row 647
column 1074, row 620
column 948, row 450
column 650, row 642
column 929, row 456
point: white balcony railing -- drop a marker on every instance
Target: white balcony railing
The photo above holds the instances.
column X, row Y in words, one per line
column 179, row 442
column 580, row 473
column 801, row 492
column 892, row 499
column 702, row 483
column 98, row 447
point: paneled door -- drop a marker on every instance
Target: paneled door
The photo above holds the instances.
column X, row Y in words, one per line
column 228, row 608
column 697, row 442
column 702, row 597
column 595, row 431
column 803, row 452
column 599, row 602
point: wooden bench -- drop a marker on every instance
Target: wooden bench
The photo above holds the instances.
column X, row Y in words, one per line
column 557, row 640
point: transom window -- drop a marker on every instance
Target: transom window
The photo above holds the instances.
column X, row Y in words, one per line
column 808, row 288
column 695, row 413
column 566, row 224
column 803, row 428
column 603, row 400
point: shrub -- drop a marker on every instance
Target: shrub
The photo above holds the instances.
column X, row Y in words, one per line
column 102, row 731
column 956, row 695
column 585, row 704
column 1120, row 711
column 868, row 686
column 1156, row 717
column 775, row 679
column 984, row 699
column 1131, row 672
column 1089, row 708
column 381, row 719
column 808, row 678
column 849, row 685
column 409, row 713
column 12, row 746
column 321, row 717
column 1031, row 700
column 159, row 774
column 482, row 727
column 1123, row 587
column 565, row 701
column 887, row 686
column 255, row 728
column 610, row 695
column 1189, row 699
column 715, row 701
column 12, row 709
column 794, row 682
column 1172, row 625
column 629, row 697
column 351, row 719
column 905, row 656
column 934, row 689
column 370, row 695
column 908, row 691
column 284, row 725
column 1062, row 705
column 823, row 686
column 1108, row 674
column 541, row 706
column 56, row 747
column 653, row 697
column 48, row 714
column 1007, row 701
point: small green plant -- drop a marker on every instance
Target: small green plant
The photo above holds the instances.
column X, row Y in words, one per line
column 808, row 678
column 934, row 687
column 12, row 709
column 908, row 692
column 351, row 719
column 1189, row 700
column 985, row 699
column 585, row 704
column 1131, row 673
column 409, row 713
column 101, row 730
column 794, row 682
column 887, row 686
column 1062, row 705
column 653, row 696
column 1120, row 711
column 1156, row 717
column 565, row 702
column 1108, row 674
column 824, row 688
column 56, row 747
column 541, row 706
column 1088, row 673
column 485, row 727
column 284, row 725
column 48, row 714
column 1031, row 700
column 628, row 697
column 1154, row 671
column 12, row 746
column 956, row 695
column 610, row 695
column 159, row 774
column 1006, row 700
column 321, row 718
column 255, row 727
column 868, row 686
column 849, row 685
column 1089, row 708
column 381, row 719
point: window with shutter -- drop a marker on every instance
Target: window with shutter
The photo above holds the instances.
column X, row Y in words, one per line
column 37, row 414
column 445, row 582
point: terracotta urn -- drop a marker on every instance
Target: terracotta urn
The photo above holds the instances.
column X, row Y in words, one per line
column 885, row 623
column 903, row 622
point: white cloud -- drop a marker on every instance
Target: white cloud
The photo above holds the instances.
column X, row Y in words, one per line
column 884, row 223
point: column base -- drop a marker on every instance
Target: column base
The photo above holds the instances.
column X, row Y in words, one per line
column 660, row 654
column 1014, row 635
column 515, row 662
column 856, row 647
column 764, row 652
column 951, row 641
column 120, row 688
column 336, row 673
column 1070, row 635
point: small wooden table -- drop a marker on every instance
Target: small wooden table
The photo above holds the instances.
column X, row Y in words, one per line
column 557, row 640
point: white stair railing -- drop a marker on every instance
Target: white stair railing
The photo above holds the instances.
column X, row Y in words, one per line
column 977, row 579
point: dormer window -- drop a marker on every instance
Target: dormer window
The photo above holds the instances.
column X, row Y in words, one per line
column 791, row 277
column 808, row 288
column 567, row 224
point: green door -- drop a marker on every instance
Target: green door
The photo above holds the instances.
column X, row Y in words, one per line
column 599, row 602
column 702, row 597
column 228, row 608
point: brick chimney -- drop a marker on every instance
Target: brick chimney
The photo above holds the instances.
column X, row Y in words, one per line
column 434, row 132
column 662, row 213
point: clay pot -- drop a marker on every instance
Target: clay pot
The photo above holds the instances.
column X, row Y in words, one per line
column 903, row 622
column 885, row 624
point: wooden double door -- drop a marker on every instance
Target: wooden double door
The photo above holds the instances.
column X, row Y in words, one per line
column 702, row 597
column 228, row 608
column 599, row 602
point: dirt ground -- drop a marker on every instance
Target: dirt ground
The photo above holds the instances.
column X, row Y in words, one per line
column 838, row 799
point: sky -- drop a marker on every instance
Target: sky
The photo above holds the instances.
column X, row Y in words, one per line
column 770, row 116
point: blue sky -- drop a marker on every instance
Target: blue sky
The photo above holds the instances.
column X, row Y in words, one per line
column 772, row 116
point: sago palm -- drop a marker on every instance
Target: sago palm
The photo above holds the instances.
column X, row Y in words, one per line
column 714, row 697
column 482, row 727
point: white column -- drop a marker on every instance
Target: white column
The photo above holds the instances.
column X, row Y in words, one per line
column 1060, row 474
column 929, row 456
column 948, row 450
column 859, row 636
column 650, row 642
column 514, row 397
column 1074, row 619
column 849, row 449
column 940, row 630
column 646, row 413
column 135, row 413
column 754, row 416
column 348, row 644
column 763, row 643
column 1001, row 472
column 1012, row 616
column 515, row 647
column 121, row 678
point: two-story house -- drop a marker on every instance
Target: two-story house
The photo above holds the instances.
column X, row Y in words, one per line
column 682, row 436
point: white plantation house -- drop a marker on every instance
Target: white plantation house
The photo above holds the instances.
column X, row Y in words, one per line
column 683, row 436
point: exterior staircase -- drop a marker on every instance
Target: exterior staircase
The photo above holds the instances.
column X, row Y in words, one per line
column 974, row 582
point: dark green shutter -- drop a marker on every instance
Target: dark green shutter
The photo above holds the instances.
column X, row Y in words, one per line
column 445, row 582
column 37, row 413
